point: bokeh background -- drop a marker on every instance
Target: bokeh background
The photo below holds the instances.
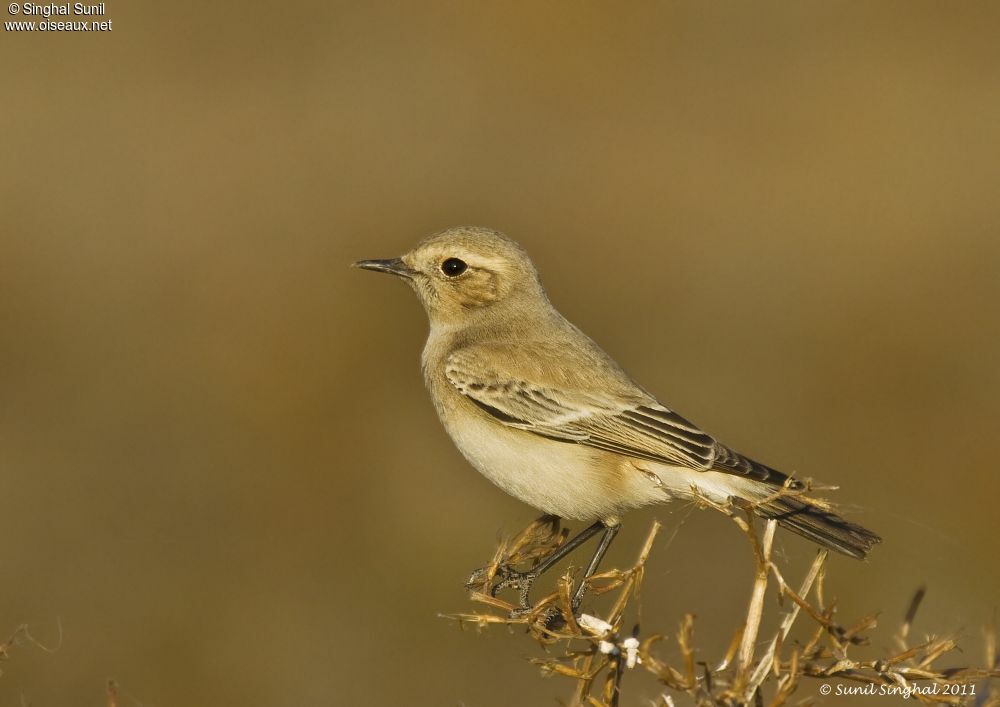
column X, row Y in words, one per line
column 222, row 480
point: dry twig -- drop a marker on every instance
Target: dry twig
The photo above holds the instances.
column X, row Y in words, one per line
column 596, row 647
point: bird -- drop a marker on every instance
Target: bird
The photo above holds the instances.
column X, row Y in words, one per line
column 544, row 413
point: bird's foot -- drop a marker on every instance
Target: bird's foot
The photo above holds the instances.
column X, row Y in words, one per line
column 503, row 577
column 554, row 619
column 494, row 578
column 549, row 617
column 477, row 580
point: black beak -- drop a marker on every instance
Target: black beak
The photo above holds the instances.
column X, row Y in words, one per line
column 393, row 266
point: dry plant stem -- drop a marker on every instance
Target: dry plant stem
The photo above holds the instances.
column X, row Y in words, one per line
column 635, row 576
column 737, row 679
column 911, row 612
column 990, row 646
column 767, row 662
column 584, row 684
column 630, row 588
column 22, row 634
column 762, row 554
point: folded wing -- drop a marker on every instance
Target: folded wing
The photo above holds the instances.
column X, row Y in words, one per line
column 528, row 389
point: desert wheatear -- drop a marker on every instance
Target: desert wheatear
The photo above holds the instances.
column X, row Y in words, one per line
column 541, row 411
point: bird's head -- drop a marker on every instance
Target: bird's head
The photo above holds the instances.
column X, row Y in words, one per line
column 465, row 274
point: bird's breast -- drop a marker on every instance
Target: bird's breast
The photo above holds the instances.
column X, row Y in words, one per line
column 565, row 479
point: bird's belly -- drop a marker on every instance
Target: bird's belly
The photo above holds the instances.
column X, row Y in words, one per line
column 564, row 479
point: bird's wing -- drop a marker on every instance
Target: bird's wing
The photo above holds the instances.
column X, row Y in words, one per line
column 527, row 388
column 537, row 390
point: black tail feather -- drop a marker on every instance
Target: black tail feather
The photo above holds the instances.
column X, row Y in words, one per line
column 819, row 525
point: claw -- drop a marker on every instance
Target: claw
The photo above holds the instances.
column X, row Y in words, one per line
column 478, row 577
column 554, row 619
column 504, row 578
column 513, row 579
column 502, row 575
column 551, row 617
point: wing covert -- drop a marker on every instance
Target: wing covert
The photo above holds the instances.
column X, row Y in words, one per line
column 624, row 420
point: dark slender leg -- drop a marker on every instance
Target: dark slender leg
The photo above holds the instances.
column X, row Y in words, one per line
column 567, row 547
column 524, row 580
column 610, row 532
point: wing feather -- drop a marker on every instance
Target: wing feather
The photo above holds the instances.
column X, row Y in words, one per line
column 632, row 424
column 623, row 419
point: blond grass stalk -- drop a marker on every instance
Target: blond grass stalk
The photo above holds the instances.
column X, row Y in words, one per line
column 596, row 653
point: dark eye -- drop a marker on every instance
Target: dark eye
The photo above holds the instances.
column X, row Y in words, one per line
column 453, row 267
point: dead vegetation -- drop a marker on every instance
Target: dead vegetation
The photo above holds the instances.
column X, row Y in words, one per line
column 22, row 636
column 596, row 652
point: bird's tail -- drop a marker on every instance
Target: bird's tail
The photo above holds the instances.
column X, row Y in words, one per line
column 813, row 521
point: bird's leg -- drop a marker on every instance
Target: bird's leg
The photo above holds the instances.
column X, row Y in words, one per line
column 556, row 618
column 610, row 531
column 522, row 581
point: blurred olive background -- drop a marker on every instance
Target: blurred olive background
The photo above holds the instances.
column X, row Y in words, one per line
column 221, row 474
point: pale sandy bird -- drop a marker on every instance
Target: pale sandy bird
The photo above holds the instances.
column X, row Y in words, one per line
column 541, row 411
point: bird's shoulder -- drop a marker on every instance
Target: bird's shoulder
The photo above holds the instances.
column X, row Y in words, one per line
column 575, row 368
